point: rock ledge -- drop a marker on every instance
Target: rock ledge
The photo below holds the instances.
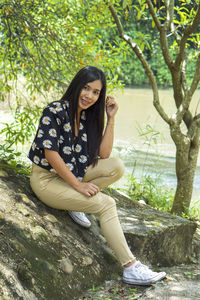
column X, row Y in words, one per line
column 44, row 255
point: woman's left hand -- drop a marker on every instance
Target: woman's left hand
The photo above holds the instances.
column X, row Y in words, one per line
column 111, row 106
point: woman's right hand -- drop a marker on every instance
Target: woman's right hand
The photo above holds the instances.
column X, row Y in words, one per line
column 88, row 189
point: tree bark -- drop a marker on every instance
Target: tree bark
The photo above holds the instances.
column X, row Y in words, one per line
column 187, row 149
column 185, row 172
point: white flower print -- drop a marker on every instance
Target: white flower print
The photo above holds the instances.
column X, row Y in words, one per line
column 44, row 162
column 47, row 144
column 82, row 159
column 53, row 132
column 36, row 159
column 46, row 120
column 70, row 166
column 84, row 137
column 53, row 109
column 53, row 171
column 40, row 133
column 61, row 139
column 78, row 148
column 56, row 103
column 81, row 126
column 67, row 127
column 33, row 146
column 67, row 150
column 58, row 106
column 80, row 178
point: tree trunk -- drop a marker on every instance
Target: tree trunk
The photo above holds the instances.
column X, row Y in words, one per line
column 185, row 171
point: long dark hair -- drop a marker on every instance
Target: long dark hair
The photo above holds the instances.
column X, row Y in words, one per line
column 94, row 114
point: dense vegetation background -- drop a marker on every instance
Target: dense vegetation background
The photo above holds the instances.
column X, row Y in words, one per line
column 48, row 41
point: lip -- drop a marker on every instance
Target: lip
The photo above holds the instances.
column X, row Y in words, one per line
column 85, row 102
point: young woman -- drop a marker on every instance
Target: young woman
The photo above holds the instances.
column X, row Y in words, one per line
column 71, row 163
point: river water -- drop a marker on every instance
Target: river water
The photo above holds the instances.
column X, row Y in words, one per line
column 142, row 138
column 153, row 153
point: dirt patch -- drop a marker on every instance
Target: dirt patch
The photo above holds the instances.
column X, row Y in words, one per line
column 182, row 282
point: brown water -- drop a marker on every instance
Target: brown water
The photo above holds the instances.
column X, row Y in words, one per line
column 154, row 153
column 136, row 107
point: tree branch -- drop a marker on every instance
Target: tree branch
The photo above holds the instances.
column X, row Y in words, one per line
column 179, row 79
column 153, row 14
column 169, row 5
column 183, row 76
column 190, row 29
column 196, row 78
column 163, row 36
column 142, row 59
column 183, row 110
column 170, row 16
column 117, row 20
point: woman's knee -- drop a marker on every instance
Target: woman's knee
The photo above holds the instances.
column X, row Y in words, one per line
column 110, row 202
column 118, row 167
column 106, row 203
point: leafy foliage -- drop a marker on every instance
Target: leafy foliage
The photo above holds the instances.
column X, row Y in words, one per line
column 19, row 131
column 48, row 41
column 156, row 195
column 138, row 23
column 151, row 192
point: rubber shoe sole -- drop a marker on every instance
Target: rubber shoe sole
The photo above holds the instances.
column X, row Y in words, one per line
column 153, row 280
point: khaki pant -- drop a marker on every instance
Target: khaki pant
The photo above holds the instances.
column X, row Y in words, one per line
column 55, row 192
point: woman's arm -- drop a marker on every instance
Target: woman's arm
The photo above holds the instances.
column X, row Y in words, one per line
column 108, row 137
column 56, row 161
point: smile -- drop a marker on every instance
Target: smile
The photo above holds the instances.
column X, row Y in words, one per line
column 85, row 102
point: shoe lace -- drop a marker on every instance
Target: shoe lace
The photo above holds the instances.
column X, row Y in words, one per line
column 144, row 268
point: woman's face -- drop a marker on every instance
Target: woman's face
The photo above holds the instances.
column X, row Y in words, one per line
column 89, row 94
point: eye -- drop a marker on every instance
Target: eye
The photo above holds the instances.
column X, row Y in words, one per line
column 86, row 87
column 96, row 92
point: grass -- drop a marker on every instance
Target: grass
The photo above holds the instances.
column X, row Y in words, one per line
column 150, row 191
column 156, row 195
column 14, row 166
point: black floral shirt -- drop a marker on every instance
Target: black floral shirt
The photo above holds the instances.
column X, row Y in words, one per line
column 55, row 133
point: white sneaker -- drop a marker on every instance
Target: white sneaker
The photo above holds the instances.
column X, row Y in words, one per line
column 80, row 218
column 140, row 274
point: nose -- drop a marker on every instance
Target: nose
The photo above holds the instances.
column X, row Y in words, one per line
column 89, row 94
